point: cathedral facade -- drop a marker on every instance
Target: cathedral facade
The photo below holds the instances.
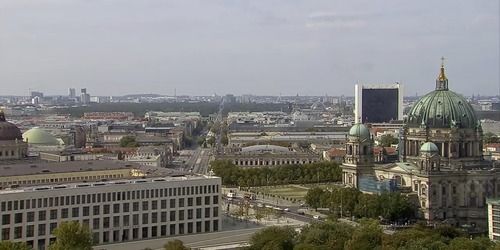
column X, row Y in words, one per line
column 441, row 161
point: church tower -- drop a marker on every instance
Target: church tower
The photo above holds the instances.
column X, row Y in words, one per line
column 359, row 155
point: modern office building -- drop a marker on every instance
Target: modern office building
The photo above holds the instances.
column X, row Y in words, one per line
column 378, row 103
column 115, row 211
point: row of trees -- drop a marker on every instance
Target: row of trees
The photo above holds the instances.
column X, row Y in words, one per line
column 350, row 201
column 233, row 175
column 367, row 236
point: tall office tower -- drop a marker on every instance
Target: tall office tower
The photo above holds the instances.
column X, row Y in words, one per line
column 84, row 97
column 378, row 103
column 72, row 93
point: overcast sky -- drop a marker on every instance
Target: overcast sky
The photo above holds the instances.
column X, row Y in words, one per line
column 116, row 47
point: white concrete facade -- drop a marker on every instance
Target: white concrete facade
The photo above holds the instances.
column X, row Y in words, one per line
column 115, row 211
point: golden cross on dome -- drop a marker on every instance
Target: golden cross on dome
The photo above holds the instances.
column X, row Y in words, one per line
column 442, row 61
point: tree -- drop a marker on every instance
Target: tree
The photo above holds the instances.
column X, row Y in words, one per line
column 328, row 235
column 9, row 245
column 387, row 140
column 128, row 141
column 367, row 236
column 273, row 238
column 175, row 245
column 72, row 235
column 313, row 197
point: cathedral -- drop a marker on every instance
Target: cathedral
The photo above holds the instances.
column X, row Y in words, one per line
column 440, row 162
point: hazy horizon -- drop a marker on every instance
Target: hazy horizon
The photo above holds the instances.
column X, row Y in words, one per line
column 246, row 47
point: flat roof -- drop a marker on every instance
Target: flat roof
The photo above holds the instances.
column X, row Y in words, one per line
column 98, row 184
column 37, row 167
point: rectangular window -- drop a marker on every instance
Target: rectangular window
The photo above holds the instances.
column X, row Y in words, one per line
column 18, row 218
column 172, row 203
column 96, row 209
column 215, row 199
column 86, row 211
column 75, row 212
column 96, row 223
column 116, row 221
column 105, row 222
column 181, row 214
column 172, row 216
column 30, row 231
column 106, row 209
column 30, row 216
column 126, row 207
column 53, row 214
column 145, row 206
column 145, row 219
column 41, row 229
column 207, row 212
column 190, row 202
column 135, row 219
column 42, row 215
column 116, row 208
column 18, row 232
column 181, row 202
column 126, row 220
column 163, row 204
column 163, row 217
column 154, row 205
column 207, row 200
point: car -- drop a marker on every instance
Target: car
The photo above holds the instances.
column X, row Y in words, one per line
column 286, row 209
column 317, row 217
column 260, row 205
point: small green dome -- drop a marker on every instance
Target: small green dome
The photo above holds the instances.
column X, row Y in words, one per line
column 39, row 136
column 360, row 131
column 429, row 147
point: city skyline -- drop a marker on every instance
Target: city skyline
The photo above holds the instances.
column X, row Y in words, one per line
column 200, row 48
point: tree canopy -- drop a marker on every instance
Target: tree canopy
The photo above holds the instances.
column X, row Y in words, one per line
column 175, row 245
column 273, row 238
column 128, row 141
column 233, row 175
column 387, row 140
column 9, row 245
column 72, row 235
column 368, row 235
column 350, row 201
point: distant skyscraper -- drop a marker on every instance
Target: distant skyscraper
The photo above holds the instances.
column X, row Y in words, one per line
column 72, row 93
column 378, row 103
column 36, row 93
column 84, row 97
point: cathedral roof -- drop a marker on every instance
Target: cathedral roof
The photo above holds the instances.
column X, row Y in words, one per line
column 442, row 108
column 8, row 131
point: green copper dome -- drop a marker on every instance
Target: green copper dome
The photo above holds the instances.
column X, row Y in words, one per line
column 429, row 147
column 442, row 108
column 37, row 135
column 360, row 131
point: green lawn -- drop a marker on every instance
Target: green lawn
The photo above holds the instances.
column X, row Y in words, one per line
column 295, row 191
